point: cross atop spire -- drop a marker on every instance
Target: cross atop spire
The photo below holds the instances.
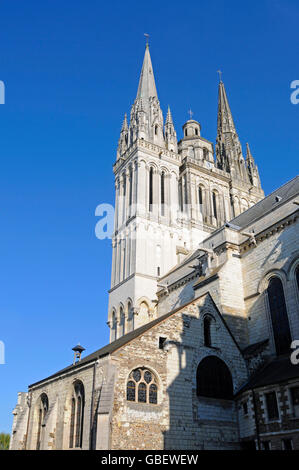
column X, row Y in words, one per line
column 190, row 112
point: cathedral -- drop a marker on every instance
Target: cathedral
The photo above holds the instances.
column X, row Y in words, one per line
column 203, row 304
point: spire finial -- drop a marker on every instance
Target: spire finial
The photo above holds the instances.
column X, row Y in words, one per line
column 146, row 38
column 220, row 75
column 190, row 112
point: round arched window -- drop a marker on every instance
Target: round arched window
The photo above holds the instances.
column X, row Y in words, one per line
column 142, row 386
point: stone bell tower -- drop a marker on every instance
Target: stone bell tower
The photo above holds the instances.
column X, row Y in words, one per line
column 169, row 196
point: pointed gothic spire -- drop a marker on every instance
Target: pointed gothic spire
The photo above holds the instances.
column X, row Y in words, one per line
column 147, row 86
column 170, row 133
column 252, row 169
column 225, row 119
column 228, row 148
column 125, row 124
column 169, row 117
column 146, row 121
column 248, row 153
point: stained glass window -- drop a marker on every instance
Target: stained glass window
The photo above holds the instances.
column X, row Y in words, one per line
column 131, row 391
column 153, row 396
column 144, row 382
column 147, row 376
column 137, row 375
column 142, row 392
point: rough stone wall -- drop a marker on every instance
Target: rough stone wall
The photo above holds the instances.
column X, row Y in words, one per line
column 180, row 420
column 19, row 426
column 55, row 433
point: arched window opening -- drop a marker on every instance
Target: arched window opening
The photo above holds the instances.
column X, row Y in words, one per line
column 130, row 317
column 113, row 327
column 279, row 316
column 205, row 153
column 122, row 321
column 162, row 193
column 77, row 412
column 196, row 131
column 214, row 201
column 186, row 132
column 200, row 196
column 124, row 197
column 131, row 187
column 180, row 196
column 142, row 386
column 207, row 331
column 156, row 129
column 43, row 407
column 214, row 379
column 151, row 175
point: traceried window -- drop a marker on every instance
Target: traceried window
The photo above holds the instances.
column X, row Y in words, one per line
column 42, row 412
column 279, row 316
column 142, row 387
column 77, row 412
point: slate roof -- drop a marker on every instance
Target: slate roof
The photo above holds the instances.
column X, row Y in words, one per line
column 277, row 370
column 118, row 343
column 269, row 203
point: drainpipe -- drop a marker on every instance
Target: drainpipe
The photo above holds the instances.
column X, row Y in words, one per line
column 257, row 429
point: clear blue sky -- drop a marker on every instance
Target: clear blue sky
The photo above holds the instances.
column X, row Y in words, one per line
column 71, row 71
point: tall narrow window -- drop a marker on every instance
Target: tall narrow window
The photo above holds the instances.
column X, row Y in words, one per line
column 122, row 322
column 279, row 316
column 200, row 196
column 272, row 408
column 77, row 413
column 72, row 426
column 130, row 317
column 124, row 197
column 180, row 196
column 207, row 331
column 214, row 201
column 113, row 327
column 156, row 129
column 131, row 187
column 42, row 411
column 162, row 193
column 295, row 401
column 151, row 189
